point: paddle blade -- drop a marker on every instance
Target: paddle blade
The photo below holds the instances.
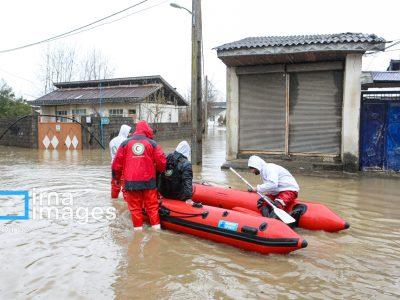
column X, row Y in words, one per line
column 284, row 216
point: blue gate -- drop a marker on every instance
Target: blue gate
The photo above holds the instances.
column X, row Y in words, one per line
column 380, row 131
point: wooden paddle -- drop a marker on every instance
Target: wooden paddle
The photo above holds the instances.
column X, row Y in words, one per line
column 283, row 215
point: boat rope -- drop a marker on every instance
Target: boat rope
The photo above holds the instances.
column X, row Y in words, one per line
column 166, row 210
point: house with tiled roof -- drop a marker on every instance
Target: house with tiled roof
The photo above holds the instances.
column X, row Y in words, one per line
column 149, row 98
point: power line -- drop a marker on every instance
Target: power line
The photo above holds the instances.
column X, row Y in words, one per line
column 113, row 21
column 17, row 76
column 73, row 30
column 395, row 42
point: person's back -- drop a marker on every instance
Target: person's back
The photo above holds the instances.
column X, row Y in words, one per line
column 114, row 145
column 176, row 181
column 138, row 159
column 286, row 181
column 117, row 141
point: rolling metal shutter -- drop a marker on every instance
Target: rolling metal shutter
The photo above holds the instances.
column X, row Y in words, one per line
column 315, row 112
column 262, row 112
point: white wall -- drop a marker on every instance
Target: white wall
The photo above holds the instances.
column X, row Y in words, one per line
column 159, row 113
column 145, row 111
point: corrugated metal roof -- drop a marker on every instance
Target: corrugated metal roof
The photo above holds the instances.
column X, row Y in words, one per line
column 295, row 40
column 129, row 93
column 385, row 76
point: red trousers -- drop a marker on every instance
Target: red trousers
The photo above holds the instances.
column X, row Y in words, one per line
column 137, row 200
column 286, row 196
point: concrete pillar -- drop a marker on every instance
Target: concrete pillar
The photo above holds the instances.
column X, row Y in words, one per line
column 351, row 112
column 232, row 113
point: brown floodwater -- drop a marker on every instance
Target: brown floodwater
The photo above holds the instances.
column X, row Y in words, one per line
column 101, row 258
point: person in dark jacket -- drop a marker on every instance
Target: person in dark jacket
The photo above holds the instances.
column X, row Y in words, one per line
column 176, row 181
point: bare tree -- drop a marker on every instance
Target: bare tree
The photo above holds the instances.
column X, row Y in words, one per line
column 211, row 94
column 58, row 66
column 95, row 66
column 61, row 64
column 155, row 108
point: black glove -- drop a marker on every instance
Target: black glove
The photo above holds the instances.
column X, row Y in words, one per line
column 260, row 203
column 250, row 190
column 277, row 204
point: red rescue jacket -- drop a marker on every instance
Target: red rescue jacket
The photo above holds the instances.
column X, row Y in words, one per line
column 138, row 159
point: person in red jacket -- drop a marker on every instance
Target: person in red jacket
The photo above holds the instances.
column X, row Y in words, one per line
column 138, row 159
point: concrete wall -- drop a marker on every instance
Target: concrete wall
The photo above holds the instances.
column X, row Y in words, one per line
column 351, row 112
column 22, row 134
column 232, row 113
column 165, row 131
column 159, row 113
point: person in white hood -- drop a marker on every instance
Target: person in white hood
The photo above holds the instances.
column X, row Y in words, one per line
column 278, row 184
column 114, row 145
column 176, row 181
column 115, row 142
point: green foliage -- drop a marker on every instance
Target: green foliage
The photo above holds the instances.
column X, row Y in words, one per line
column 11, row 106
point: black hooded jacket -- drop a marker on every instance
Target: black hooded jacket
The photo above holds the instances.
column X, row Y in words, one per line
column 176, row 181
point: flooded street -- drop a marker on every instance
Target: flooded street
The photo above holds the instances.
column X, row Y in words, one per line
column 103, row 259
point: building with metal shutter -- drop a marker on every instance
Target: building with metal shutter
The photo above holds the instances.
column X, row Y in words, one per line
column 296, row 96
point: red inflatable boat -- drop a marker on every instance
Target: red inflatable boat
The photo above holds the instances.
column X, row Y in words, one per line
column 312, row 216
column 245, row 231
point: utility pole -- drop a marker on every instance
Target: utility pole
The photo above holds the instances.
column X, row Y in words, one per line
column 206, row 106
column 196, row 98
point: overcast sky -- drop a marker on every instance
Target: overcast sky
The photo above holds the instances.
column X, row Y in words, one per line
column 157, row 41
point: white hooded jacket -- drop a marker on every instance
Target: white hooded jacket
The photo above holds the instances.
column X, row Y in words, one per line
column 276, row 178
column 184, row 149
column 117, row 141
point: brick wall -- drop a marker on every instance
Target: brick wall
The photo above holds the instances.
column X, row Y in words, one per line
column 165, row 131
column 22, row 134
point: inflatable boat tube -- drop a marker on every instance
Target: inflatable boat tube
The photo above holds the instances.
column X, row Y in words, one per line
column 248, row 232
column 312, row 216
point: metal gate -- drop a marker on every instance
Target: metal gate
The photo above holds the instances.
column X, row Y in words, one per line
column 315, row 113
column 262, row 112
column 59, row 136
column 293, row 109
column 380, row 131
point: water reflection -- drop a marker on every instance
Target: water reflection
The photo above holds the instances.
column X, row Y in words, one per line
column 105, row 259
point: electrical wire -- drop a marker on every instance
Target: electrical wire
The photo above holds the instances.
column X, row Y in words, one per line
column 19, row 77
column 113, row 21
column 395, row 42
column 73, row 30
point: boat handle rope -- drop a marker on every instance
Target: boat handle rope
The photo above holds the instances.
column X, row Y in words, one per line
column 166, row 211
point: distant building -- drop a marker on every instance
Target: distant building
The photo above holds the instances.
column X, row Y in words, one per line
column 380, row 79
column 394, row 65
column 149, row 98
column 216, row 112
column 296, row 96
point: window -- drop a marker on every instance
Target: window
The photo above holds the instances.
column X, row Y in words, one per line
column 62, row 113
column 132, row 112
column 116, row 112
column 79, row 112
